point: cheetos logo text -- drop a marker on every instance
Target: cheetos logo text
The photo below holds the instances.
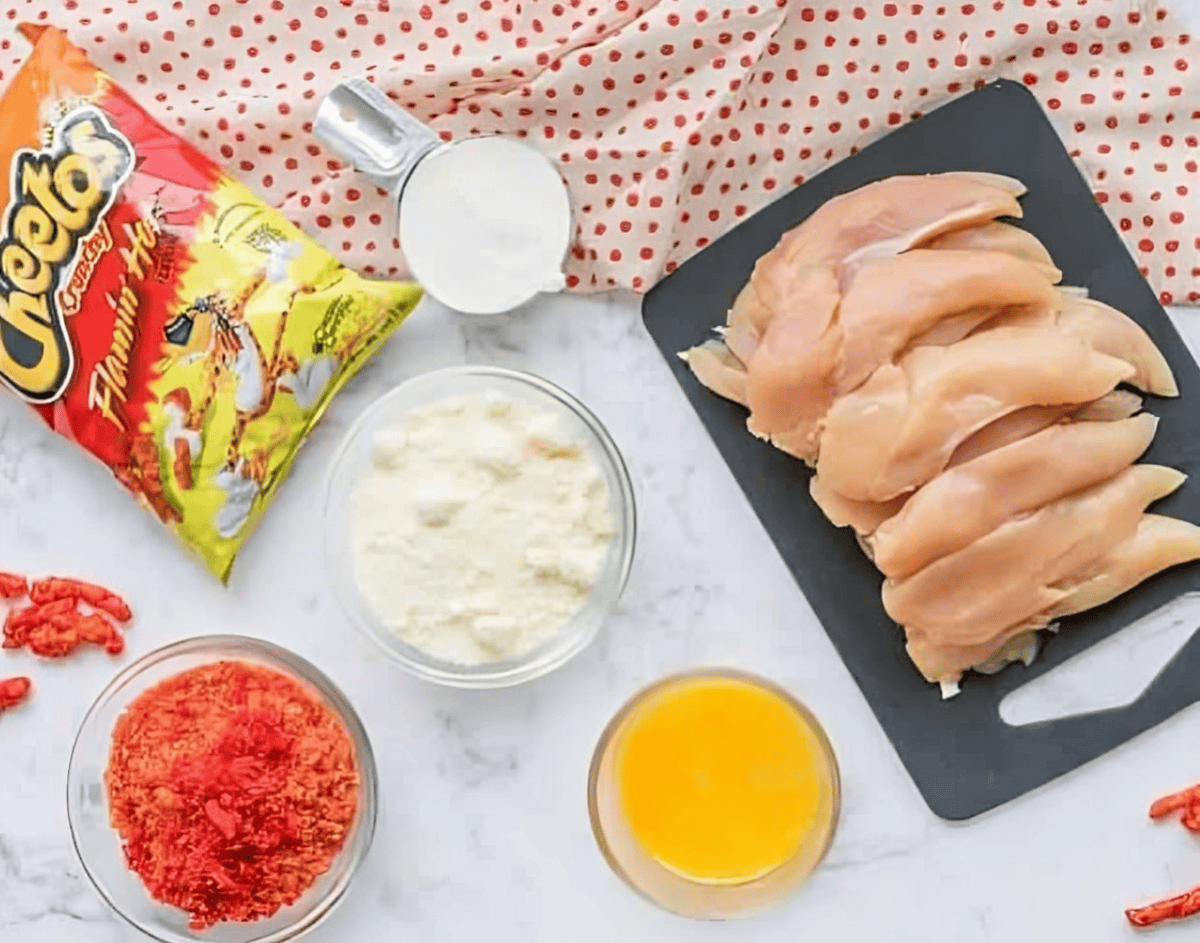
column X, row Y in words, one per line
column 57, row 196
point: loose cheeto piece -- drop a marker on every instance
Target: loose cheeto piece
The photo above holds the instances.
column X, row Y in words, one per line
column 13, row 691
column 1174, row 908
column 20, row 622
column 99, row 631
column 13, row 586
column 159, row 314
column 59, row 636
column 56, row 587
column 1188, row 800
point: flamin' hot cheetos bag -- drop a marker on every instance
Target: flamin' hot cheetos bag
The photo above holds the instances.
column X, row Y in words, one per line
column 157, row 312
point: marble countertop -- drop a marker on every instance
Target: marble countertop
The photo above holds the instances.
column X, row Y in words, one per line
column 484, row 831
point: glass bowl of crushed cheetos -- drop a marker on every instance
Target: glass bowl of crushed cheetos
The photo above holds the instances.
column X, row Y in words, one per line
column 222, row 789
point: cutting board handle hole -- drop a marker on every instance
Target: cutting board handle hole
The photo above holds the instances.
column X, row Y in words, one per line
column 1111, row 674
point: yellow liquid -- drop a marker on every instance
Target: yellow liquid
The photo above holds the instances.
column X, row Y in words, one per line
column 722, row 781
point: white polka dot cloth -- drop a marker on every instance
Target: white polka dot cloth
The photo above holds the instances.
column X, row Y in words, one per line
column 670, row 119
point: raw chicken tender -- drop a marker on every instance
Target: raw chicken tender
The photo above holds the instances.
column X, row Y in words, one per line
column 793, row 380
column 1116, row 334
column 715, row 365
column 863, row 516
column 807, row 293
column 897, row 221
column 1107, row 330
column 882, row 218
column 960, row 609
column 1158, row 544
column 790, row 370
column 898, row 298
column 1001, row 237
column 967, row 502
column 1119, row 404
column 866, row 516
column 900, row 428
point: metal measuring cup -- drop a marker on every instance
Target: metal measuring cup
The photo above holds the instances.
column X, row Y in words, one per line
column 466, row 224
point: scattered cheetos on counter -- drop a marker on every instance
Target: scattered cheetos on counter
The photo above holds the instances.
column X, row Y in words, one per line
column 13, row 691
column 53, row 625
column 157, row 312
column 1183, row 905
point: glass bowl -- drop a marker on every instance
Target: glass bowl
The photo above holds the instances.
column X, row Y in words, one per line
column 668, row 888
column 352, row 459
column 99, row 846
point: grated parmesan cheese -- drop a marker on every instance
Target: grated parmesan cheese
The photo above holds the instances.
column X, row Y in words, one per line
column 480, row 528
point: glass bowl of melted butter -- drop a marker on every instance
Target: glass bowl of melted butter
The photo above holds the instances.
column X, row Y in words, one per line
column 480, row 525
column 714, row 794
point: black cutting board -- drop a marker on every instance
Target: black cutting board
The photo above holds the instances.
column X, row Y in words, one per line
column 962, row 756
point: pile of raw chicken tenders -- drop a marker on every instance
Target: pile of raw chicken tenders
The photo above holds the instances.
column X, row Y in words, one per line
column 961, row 411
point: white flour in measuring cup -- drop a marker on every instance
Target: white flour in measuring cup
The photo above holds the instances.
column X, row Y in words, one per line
column 485, row 224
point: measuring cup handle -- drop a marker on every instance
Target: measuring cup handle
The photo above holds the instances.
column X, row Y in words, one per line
column 362, row 126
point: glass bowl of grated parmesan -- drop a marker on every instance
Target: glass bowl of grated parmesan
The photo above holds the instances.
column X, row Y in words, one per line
column 480, row 525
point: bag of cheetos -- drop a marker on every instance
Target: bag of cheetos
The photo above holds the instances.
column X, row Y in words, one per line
column 157, row 312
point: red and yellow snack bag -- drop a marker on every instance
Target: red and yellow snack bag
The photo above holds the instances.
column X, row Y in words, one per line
column 157, row 312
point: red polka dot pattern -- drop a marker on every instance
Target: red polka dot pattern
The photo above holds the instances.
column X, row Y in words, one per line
column 670, row 121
